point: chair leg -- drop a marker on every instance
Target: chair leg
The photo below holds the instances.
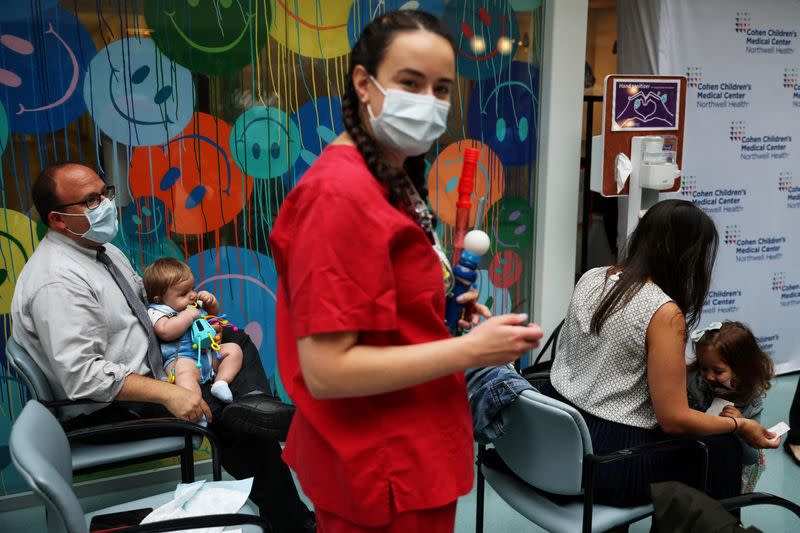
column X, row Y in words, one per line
column 479, row 497
column 588, row 496
column 187, row 461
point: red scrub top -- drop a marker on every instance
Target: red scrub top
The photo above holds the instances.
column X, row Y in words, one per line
column 349, row 261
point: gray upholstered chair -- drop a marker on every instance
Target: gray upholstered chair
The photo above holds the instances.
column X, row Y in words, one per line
column 180, row 438
column 549, row 452
column 41, row 453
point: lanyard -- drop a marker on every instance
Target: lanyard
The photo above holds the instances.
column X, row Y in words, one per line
column 418, row 210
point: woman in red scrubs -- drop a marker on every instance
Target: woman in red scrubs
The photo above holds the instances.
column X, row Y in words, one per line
column 382, row 436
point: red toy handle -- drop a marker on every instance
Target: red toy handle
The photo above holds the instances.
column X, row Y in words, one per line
column 466, row 184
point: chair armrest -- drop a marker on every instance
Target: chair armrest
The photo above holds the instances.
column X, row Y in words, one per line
column 219, row 520
column 52, row 404
column 644, row 449
column 166, row 425
column 665, row 446
column 759, row 498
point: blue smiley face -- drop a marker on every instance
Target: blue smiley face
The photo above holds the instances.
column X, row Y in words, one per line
column 502, row 113
column 362, row 13
column 319, row 122
column 136, row 94
column 25, row 10
column 42, row 64
column 265, row 142
column 486, row 34
column 145, row 220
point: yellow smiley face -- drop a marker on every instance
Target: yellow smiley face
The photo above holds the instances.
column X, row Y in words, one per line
column 19, row 235
column 311, row 28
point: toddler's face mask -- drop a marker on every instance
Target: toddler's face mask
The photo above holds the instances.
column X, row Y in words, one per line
column 723, row 387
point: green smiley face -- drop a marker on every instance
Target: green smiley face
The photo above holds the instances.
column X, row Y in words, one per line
column 209, row 36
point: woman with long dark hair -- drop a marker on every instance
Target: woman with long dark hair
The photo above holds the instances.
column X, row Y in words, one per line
column 382, row 436
column 620, row 358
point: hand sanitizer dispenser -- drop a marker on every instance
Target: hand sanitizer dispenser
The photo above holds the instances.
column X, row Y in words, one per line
column 653, row 169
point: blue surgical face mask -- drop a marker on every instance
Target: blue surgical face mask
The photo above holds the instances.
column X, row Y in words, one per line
column 409, row 123
column 103, row 223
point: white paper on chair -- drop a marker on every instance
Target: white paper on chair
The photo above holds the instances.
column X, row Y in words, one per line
column 717, row 406
column 203, row 498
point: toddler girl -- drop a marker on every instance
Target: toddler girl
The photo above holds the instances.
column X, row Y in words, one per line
column 174, row 306
column 729, row 364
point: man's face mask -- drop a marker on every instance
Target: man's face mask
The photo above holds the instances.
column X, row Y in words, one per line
column 103, row 223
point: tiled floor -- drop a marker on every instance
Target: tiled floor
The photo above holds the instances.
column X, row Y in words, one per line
column 782, row 477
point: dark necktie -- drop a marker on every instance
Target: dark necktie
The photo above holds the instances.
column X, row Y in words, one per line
column 138, row 308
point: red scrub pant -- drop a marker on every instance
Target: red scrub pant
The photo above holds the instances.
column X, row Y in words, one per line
column 436, row 520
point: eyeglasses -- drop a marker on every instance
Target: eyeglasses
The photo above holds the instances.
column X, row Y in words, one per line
column 94, row 199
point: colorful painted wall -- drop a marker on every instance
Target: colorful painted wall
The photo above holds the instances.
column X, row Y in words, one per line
column 205, row 113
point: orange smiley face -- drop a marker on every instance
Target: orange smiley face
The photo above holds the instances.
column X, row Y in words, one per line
column 446, row 170
column 194, row 175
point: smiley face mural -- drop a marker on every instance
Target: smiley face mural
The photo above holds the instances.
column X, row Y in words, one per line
column 19, row 235
column 136, row 94
column 246, row 284
column 320, row 122
column 509, row 223
column 446, row 170
column 143, row 233
column 194, row 175
column 505, row 269
column 265, row 142
column 486, row 34
column 42, row 66
column 364, row 11
column 502, row 113
column 209, row 36
column 497, row 299
column 311, row 28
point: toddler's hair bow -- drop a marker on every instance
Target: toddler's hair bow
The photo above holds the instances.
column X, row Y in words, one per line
column 698, row 333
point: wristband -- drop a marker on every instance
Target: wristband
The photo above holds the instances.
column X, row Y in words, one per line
column 735, row 424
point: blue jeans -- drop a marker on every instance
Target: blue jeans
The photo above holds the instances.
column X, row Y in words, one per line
column 490, row 391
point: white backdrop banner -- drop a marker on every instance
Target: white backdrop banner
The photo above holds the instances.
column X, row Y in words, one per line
column 742, row 154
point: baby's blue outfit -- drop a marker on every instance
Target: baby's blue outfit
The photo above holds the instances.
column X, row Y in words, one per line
column 182, row 346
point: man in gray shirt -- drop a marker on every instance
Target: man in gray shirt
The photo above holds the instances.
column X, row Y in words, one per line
column 72, row 317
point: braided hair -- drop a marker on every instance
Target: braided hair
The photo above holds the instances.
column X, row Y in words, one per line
column 369, row 51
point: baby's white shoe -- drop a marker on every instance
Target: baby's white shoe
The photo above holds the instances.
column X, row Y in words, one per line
column 221, row 390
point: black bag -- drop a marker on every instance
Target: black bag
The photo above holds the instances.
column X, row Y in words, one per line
column 683, row 509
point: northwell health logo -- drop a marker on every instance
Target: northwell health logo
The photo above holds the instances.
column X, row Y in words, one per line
column 732, row 233
column 747, row 249
column 778, row 281
column 737, row 130
column 717, row 94
column 694, row 75
column 789, row 292
column 790, row 78
column 713, row 200
column 742, row 24
column 769, row 146
column 791, row 81
column 786, row 185
column 764, row 40
column 723, row 300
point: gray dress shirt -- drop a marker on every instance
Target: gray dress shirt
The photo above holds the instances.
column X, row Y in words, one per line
column 72, row 318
